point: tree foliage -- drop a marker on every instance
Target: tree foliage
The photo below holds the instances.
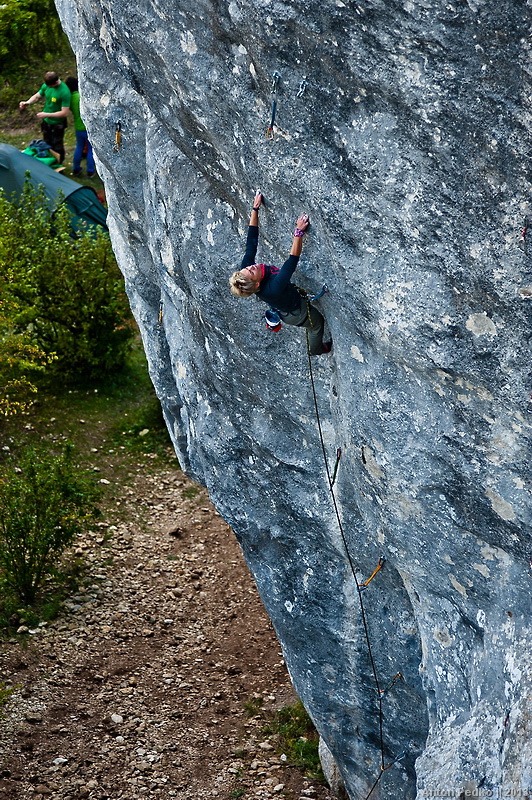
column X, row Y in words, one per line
column 28, row 29
column 64, row 295
column 20, row 358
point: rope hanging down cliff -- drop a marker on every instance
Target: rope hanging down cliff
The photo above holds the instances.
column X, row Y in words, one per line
column 359, row 586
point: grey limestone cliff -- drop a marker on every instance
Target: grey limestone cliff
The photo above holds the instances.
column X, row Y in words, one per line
column 409, row 147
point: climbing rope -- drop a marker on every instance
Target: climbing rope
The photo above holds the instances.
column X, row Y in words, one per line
column 331, row 479
column 359, row 586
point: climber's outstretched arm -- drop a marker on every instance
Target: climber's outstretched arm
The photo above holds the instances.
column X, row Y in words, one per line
column 257, row 202
column 301, row 227
column 252, row 239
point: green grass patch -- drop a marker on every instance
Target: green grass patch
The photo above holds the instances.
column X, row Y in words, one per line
column 254, row 707
column 5, row 693
column 293, row 734
column 190, row 493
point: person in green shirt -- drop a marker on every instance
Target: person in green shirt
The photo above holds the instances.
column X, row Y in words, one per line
column 82, row 138
column 56, row 95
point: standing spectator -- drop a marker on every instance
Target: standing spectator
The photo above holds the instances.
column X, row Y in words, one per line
column 56, row 96
column 82, row 140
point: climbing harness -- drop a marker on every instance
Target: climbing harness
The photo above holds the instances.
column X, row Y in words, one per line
column 118, row 137
column 274, row 322
column 524, row 231
column 275, row 84
column 380, row 693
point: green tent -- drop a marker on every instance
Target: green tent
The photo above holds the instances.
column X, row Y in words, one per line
column 81, row 200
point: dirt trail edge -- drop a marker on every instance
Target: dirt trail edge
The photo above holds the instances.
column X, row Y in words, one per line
column 138, row 688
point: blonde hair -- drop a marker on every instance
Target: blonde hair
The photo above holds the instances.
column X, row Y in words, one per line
column 241, row 284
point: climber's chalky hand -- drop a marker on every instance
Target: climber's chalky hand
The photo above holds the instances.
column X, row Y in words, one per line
column 303, row 222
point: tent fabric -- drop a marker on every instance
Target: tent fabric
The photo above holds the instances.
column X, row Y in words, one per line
column 81, row 200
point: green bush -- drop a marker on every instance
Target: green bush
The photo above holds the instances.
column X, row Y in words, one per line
column 28, row 28
column 19, row 358
column 44, row 502
column 68, row 292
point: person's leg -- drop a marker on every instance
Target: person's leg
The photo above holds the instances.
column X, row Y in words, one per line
column 46, row 133
column 78, row 152
column 59, row 141
column 53, row 135
column 315, row 327
column 91, row 167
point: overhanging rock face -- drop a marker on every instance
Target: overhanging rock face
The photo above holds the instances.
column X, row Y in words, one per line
column 409, row 147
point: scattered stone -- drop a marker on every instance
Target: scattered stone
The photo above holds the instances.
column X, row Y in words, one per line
column 23, row 629
column 33, row 717
column 117, row 719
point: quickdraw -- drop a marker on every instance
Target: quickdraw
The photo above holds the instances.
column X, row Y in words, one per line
column 118, row 137
column 336, row 465
column 302, row 86
column 275, row 84
column 324, row 290
column 397, row 677
column 377, row 569
column 524, row 231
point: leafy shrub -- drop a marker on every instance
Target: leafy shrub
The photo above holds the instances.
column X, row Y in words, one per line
column 67, row 293
column 44, row 502
column 28, row 28
column 19, row 358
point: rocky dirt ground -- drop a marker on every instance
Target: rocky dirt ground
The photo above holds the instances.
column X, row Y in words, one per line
column 138, row 688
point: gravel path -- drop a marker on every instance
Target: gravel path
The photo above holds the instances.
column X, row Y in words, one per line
column 138, row 688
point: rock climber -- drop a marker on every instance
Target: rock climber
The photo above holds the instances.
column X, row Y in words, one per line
column 273, row 286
